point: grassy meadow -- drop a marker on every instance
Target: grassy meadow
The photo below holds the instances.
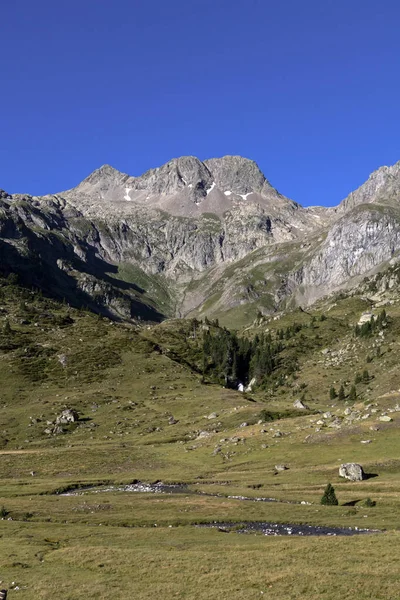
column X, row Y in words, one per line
column 146, row 414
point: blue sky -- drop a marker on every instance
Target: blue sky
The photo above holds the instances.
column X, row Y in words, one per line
column 309, row 89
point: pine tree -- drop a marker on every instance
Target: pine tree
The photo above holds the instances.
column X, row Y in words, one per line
column 341, row 393
column 7, row 328
column 353, row 394
column 332, row 393
column 365, row 376
column 329, row 497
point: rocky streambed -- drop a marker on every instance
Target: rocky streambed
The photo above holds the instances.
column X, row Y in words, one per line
column 138, row 487
column 163, row 488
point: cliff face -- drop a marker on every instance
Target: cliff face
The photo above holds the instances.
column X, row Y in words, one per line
column 164, row 242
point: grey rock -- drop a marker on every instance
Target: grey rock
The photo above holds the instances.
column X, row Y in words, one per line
column 300, row 405
column 351, row 471
column 67, row 416
column 385, row 419
column 281, row 468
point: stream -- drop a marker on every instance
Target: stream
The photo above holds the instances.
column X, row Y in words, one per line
column 285, row 529
column 275, row 529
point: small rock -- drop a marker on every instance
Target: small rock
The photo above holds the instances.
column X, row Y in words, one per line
column 366, row 441
column 281, row 468
column 277, row 434
column 244, row 424
column 172, row 421
column 212, row 416
column 385, row 419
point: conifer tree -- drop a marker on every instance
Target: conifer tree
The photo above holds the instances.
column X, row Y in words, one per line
column 341, row 393
column 329, row 496
column 353, row 394
column 365, row 376
column 332, row 393
column 7, row 327
column 358, row 378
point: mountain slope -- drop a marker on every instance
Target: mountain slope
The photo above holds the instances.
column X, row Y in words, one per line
column 197, row 236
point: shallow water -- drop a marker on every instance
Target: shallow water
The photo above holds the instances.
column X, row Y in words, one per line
column 286, row 529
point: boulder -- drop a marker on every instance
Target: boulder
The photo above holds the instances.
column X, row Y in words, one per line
column 203, row 434
column 67, row 416
column 281, row 468
column 351, row 471
column 299, row 404
column 385, row 419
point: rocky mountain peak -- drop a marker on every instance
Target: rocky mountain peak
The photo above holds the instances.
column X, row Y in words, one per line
column 237, row 174
column 383, row 185
column 174, row 176
column 105, row 172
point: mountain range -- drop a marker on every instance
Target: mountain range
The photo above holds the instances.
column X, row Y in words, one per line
column 196, row 238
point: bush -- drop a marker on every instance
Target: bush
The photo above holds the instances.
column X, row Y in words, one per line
column 3, row 512
column 369, row 503
column 329, row 497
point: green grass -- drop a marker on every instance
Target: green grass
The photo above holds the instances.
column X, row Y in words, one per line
column 125, row 382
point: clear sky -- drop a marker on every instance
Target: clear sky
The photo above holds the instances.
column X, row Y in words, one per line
column 309, row 89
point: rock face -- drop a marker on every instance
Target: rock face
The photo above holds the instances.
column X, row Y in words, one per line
column 172, row 225
column 352, row 471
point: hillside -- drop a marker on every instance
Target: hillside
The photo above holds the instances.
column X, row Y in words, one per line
column 146, row 409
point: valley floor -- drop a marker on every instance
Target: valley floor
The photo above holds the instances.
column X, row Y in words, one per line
column 145, row 416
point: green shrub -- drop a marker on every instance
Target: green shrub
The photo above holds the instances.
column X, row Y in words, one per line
column 369, row 503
